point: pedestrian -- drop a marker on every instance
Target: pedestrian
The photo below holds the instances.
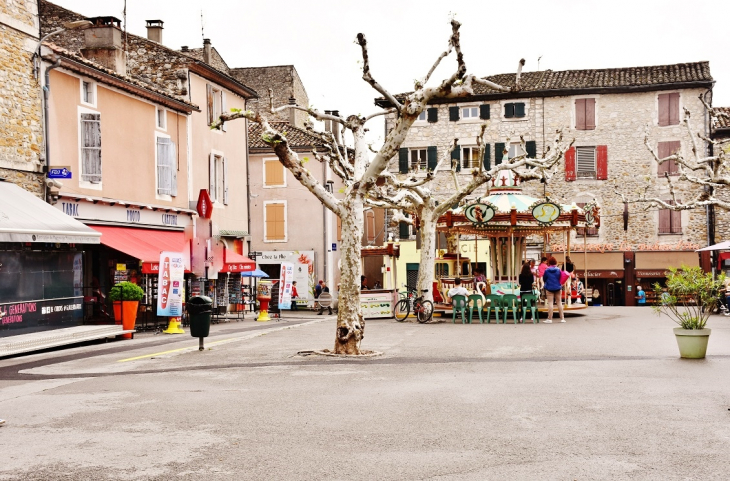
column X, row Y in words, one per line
column 363, row 283
column 318, row 289
column 527, row 280
column 641, row 296
column 543, row 265
column 551, row 276
column 569, row 266
column 323, row 288
column 294, row 295
column 457, row 290
column 533, row 267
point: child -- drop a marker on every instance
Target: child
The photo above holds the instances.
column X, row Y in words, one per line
column 641, row 296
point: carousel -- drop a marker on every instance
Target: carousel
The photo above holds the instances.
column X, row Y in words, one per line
column 507, row 217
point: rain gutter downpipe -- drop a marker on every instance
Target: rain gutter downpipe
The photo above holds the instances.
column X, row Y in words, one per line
column 46, row 90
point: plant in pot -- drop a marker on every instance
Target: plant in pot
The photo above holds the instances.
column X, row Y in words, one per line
column 690, row 296
column 125, row 297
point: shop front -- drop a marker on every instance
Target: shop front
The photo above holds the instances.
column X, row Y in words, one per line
column 602, row 274
column 651, row 268
column 304, row 268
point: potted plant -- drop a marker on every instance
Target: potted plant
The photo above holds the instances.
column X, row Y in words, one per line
column 689, row 298
column 125, row 297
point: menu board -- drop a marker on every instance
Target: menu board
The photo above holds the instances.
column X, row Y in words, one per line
column 376, row 304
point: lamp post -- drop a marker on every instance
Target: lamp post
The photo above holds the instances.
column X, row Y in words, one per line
column 75, row 25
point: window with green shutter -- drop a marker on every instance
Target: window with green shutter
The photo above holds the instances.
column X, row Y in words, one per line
column 498, row 153
column 404, row 230
column 531, row 147
column 514, row 110
column 509, row 111
column 487, row 159
column 456, row 155
column 403, row 161
column 454, row 114
column 432, row 153
column 519, row 110
column 433, row 115
column 484, row 112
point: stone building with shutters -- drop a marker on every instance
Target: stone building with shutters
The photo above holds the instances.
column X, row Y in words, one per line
column 720, row 228
column 607, row 112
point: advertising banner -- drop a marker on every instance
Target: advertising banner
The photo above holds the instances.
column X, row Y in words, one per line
column 170, row 282
column 285, row 280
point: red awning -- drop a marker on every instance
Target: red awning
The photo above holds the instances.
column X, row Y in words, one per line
column 235, row 262
column 145, row 244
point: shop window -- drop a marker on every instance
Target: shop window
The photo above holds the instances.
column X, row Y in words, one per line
column 274, row 173
column 670, row 221
column 275, row 221
column 664, row 150
column 166, row 167
column 218, row 179
column 91, row 148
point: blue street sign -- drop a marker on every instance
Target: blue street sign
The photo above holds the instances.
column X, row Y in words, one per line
column 62, row 173
column 334, row 247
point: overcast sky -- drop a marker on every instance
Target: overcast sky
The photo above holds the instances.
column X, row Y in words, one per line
column 405, row 37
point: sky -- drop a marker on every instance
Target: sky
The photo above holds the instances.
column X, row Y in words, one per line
column 406, row 37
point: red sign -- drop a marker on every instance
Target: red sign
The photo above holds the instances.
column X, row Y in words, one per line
column 240, row 267
column 205, row 206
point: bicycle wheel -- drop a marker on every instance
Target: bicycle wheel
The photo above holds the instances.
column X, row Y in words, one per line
column 402, row 308
column 425, row 311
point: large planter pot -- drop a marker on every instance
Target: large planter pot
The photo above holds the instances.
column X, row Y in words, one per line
column 126, row 313
column 692, row 342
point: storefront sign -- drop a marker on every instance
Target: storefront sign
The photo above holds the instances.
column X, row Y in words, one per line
column 121, row 267
column 626, row 247
column 120, row 214
column 170, row 284
column 303, row 262
column 285, row 281
column 650, row 273
column 615, row 274
column 47, row 312
column 205, row 205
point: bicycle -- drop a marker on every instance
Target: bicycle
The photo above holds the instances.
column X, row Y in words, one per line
column 423, row 308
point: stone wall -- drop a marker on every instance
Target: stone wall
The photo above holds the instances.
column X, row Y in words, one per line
column 30, row 181
column 621, row 120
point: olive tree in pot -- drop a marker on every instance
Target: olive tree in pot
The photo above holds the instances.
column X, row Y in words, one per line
column 689, row 298
column 126, row 296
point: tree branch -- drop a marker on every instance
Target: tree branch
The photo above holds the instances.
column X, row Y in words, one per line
column 366, row 76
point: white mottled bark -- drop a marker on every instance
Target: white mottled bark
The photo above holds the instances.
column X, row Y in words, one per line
column 350, row 322
column 427, row 267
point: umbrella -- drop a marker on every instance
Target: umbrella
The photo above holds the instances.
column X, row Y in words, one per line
column 254, row 273
column 717, row 247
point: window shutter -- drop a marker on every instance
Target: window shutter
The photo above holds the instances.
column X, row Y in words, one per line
column 674, row 147
column 432, row 115
column 531, row 147
column 663, row 100
column 484, row 111
column 487, row 160
column 674, row 108
column 211, row 181
column 675, row 218
column 163, row 169
column 432, row 156
column 224, row 109
column 662, row 153
column 225, row 181
column 453, row 114
column 209, row 99
column 509, row 112
column 602, row 162
column 498, row 153
column 403, row 160
column 173, row 168
column 465, row 159
column 404, row 231
column 590, row 114
column 570, row 164
column 664, row 221
column 580, row 114
column 519, row 110
column 456, row 155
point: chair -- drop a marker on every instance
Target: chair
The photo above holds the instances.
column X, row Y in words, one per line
column 493, row 302
column 458, row 303
column 476, row 302
column 529, row 301
column 510, row 301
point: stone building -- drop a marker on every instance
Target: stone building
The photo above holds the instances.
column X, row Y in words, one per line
column 21, row 124
column 607, row 112
column 720, row 228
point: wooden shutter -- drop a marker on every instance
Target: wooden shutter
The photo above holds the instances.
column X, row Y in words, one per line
column 590, row 115
column 370, row 226
column 580, row 114
column 432, row 156
column 211, row 180
column 602, row 162
column 675, row 218
column 487, row 160
column 403, row 160
column 509, row 112
column 674, row 147
column 531, row 147
column 432, row 115
column 674, row 108
column 456, row 155
column 173, row 168
column 570, row 164
column 274, row 171
column 453, row 114
column 519, row 110
column 484, row 111
column 663, row 153
column 665, row 221
column 663, row 101
column 91, row 148
column 223, row 108
column 498, row 152
column 209, row 100
column 164, row 174
column 225, row 181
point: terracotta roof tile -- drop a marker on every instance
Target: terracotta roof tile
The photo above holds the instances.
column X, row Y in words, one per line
column 722, row 122
column 298, row 138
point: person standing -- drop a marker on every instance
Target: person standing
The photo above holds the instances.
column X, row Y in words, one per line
column 294, row 295
column 363, row 283
column 551, row 276
column 569, row 266
column 527, row 279
column 641, row 296
column 323, row 288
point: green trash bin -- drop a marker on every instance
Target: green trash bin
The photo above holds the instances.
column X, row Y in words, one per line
column 200, row 310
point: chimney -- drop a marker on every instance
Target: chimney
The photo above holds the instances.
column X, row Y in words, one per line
column 103, row 44
column 336, row 126
column 292, row 112
column 154, row 30
column 207, row 48
column 184, row 48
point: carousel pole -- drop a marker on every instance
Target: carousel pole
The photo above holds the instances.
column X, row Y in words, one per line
column 511, row 258
column 568, row 296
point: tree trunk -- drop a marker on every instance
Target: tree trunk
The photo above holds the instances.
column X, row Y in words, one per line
column 350, row 323
column 427, row 268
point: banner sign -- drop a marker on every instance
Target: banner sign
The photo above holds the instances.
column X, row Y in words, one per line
column 170, row 282
column 60, row 173
column 52, row 312
column 285, row 280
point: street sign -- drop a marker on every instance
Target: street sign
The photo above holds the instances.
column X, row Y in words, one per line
column 205, row 206
column 59, row 173
column 334, row 247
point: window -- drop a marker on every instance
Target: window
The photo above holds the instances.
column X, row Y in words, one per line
column 668, row 109
column 91, row 148
column 585, row 114
column 422, row 116
column 470, row 112
column 514, row 110
column 470, row 157
column 370, row 226
column 275, row 221
column 585, row 162
column 589, row 231
column 418, row 158
column 670, row 221
column 515, row 149
column 218, row 181
column 166, row 167
column 665, row 149
column 161, row 118
column 274, row 173
column 216, row 104
column 87, row 92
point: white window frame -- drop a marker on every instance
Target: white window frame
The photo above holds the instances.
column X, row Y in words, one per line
column 272, row 159
column 512, row 151
column 423, row 114
column 220, row 177
column 82, row 92
column 161, row 113
column 158, row 196
column 286, row 222
column 472, row 148
column 85, row 184
column 424, row 160
column 470, row 117
column 595, row 162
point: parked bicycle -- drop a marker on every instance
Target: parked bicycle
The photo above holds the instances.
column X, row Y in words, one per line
column 422, row 308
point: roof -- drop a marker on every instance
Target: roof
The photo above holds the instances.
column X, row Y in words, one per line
column 298, row 138
column 216, row 61
column 564, row 82
column 723, row 122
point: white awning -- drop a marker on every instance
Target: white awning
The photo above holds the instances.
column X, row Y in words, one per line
column 26, row 218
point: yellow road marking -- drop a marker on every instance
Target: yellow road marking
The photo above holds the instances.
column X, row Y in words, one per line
column 174, row 350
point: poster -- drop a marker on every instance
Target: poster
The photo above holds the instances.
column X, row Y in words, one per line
column 285, row 279
column 303, row 262
column 170, row 281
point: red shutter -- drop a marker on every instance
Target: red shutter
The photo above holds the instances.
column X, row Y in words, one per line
column 580, row 114
column 663, row 109
column 590, row 114
column 602, row 162
column 674, row 108
column 662, row 153
column 570, row 164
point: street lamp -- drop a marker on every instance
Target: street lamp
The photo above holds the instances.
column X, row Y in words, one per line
column 75, row 25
